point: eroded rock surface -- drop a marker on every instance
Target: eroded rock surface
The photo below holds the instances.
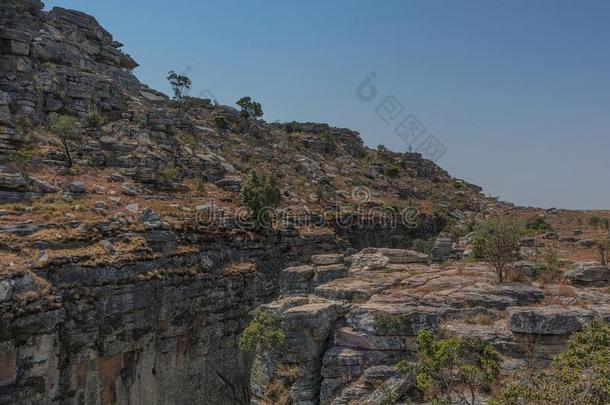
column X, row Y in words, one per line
column 384, row 305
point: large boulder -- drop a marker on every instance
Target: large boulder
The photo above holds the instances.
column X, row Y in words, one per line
column 393, row 320
column 297, row 279
column 398, row 256
column 12, row 181
column 588, row 274
column 549, row 320
column 369, row 261
column 442, row 249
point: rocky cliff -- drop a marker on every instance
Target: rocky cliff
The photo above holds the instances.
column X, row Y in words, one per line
column 112, row 287
column 128, row 271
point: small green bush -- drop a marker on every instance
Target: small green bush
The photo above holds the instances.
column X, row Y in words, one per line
column 455, row 367
column 221, row 123
column 294, row 127
column 537, row 223
column 67, row 129
column 262, row 334
column 423, row 246
column 579, row 375
column 598, row 222
column 169, row 173
column 391, row 171
column 551, row 266
column 261, row 194
column 95, row 119
column 21, row 158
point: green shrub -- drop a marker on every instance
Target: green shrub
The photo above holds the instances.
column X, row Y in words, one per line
column 391, row 171
column 551, row 266
column 261, row 194
column 221, row 123
column 21, row 158
column 455, row 367
column 67, row 129
column 294, row 127
column 497, row 242
column 262, row 334
column 423, row 246
column 296, row 144
column 199, row 184
column 579, row 375
column 170, row 173
column 537, row 223
column 95, row 119
column 598, row 222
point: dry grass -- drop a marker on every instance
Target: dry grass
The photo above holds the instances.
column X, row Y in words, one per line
column 277, row 393
column 478, row 319
column 567, row 290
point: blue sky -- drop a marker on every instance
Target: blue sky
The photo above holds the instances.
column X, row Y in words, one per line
column 518, row 92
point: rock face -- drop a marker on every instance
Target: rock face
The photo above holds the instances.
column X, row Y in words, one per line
column 589, row 274
column 443, row 247
column 122, row 293
column 76, row 61
column 368, row 316
column 161, row 331
column 551, row 320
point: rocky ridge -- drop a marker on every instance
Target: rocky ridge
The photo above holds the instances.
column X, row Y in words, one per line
column 128, row 277
column 346, row 334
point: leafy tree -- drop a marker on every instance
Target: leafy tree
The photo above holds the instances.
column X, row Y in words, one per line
column 453, row 368
column 179, row 84
column 603, row 249
column 250, row 110
column 262, row 334
column 260, row 193
column 579, row 375
column 67, row 129
column 497, row 242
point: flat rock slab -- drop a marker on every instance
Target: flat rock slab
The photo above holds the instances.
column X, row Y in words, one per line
column 328, row 259
column 327, row 273
column 356, row 288
column 311, row 316
column 588, row 274
column 398, row 255
column 296, row 279
column 393, row 320
column 486, row 296
column 348, row 337
column 495, row 334
column 550, row 320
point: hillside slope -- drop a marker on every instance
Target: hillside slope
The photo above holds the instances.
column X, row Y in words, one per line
column 127, row 276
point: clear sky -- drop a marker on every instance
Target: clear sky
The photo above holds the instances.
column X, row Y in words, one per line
column 517, row 91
